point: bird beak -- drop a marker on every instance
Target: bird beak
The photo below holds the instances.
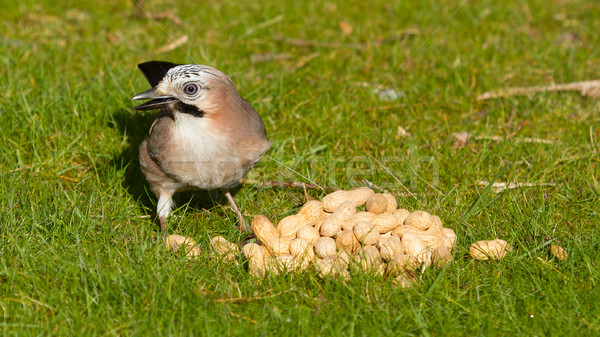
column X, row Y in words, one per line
column 157, row 101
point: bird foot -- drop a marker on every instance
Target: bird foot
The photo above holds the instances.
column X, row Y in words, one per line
column 163, row 227
column 243, row 225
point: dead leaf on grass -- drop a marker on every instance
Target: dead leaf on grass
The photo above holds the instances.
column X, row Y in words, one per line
column 346, row 28
column 402, row 132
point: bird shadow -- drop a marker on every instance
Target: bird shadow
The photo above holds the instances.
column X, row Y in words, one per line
column 134, row 127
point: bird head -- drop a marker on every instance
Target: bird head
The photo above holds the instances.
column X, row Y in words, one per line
column 188, row 88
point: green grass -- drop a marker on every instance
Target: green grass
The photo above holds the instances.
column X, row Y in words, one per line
column 77, row 259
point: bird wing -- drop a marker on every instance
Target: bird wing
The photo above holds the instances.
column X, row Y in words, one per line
column 155, row 70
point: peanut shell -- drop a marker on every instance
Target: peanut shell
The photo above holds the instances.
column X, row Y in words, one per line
column 302, row 249
column 415, row 248
column 442, row 256
column 392, row 204
column 418, row 219
column 390, row 247
column 346, row 240
column 401, row 215
column 397, row 264
column 401, row 230
column 383, row 222
column 279, row 246
column 450, row 236
column 324, row 215
column 333, row 200
column 366, row 233
column 325, row 247
column 311, row 211
column 264, row 229
column 377, row 204
column 309, row 234
column 333, row 224
column 360, row 195
column 289, row 225
column 174, row 242
column 223, row 248
column 491, row 249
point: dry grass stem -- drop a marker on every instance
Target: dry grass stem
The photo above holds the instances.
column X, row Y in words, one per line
column 586, row 88
column 500, row 186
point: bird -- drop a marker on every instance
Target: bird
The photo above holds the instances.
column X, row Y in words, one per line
column 205, row 135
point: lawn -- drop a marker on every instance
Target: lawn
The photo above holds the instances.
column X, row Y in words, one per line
column 351, row 94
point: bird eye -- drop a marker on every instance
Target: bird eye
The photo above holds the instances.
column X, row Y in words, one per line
column 191, row 89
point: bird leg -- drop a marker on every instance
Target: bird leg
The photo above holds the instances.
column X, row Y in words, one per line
column 163, row 227
column 163, row 207
column 243, row 225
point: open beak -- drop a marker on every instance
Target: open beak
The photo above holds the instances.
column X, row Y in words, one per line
column 156, row 101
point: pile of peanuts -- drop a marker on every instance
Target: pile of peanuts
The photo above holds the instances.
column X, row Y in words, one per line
column 339, row 240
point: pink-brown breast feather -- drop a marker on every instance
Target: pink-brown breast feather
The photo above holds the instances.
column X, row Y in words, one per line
column 235, row 117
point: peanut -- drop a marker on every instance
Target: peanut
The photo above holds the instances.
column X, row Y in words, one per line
column 368, row 259
column 450, row 236
column 401, row 230
column 401, row 215
column 397, row 264
column 325, row 247
column 380, row 270
column 366, row 233
column 223, row 248
column 432, row 241
column 264, row 229
column 492, row 249
column 257, row 256
column 358, row 197
column 324, row 215
column 270, row 236
column 377, row 204
column 391, row 247
column 442, row 256
column 174, row 242
column 333, row 200
column 418, row 219
column 436, row 227
column 343, row 258
column 302, row 249
column 346, row 240
column 348, row 225
column 392, row 204
column 279, row 246
column 329, row 267
column 290, row 263
column 289, row 225
column 415, row 248
column 383, row 222
column 404, row 280
column 311, row 211
column 309, row 234
column 251, row 250
column 333, row 224
column 325, row 267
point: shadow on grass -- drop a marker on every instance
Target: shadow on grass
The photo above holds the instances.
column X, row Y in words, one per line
column 135, row 126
